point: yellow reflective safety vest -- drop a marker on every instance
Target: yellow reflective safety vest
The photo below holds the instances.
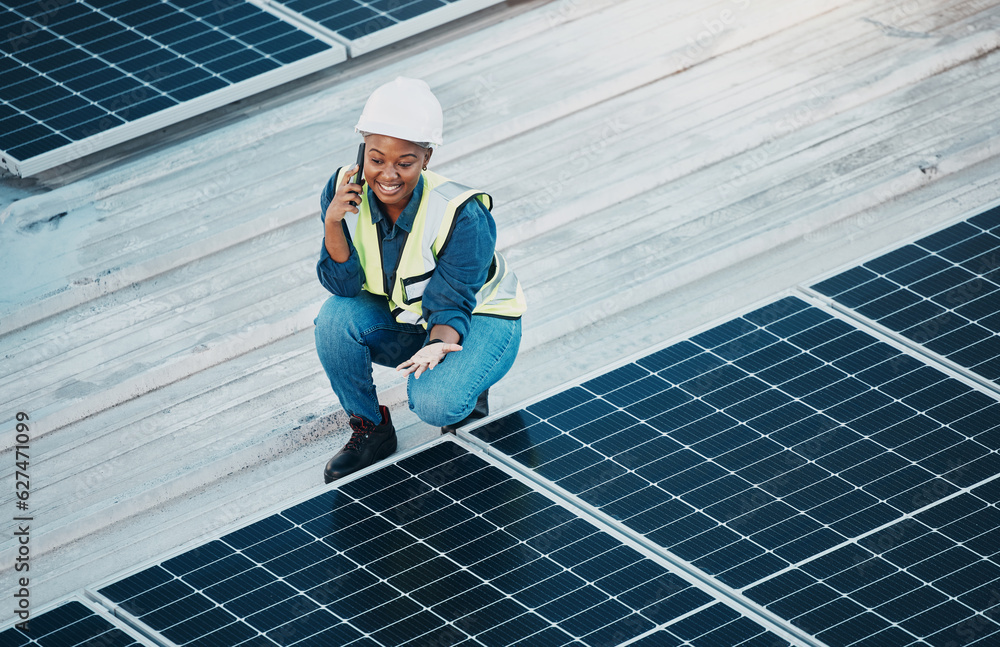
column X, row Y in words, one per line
column 442, row 200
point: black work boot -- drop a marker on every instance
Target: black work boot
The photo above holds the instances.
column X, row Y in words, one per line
column 481, row 410
column 369, row 444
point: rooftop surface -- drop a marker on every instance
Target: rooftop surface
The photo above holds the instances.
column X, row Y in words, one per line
column 656, row 167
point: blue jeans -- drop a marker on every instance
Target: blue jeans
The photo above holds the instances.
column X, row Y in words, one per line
column 354, row 333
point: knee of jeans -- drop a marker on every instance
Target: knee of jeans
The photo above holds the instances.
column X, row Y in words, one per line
column 334, row 325
column 335, row 317
column 437, row 411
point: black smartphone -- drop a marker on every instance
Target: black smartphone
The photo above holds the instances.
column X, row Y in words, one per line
column 358, row 177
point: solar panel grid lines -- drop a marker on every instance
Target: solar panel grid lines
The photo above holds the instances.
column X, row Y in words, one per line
column 72, row 622
column 366, row 25
column 440, row 546
column 940, row 293
column 731, row 462
column 931, row 508
column 78, row 77
column 928, row 579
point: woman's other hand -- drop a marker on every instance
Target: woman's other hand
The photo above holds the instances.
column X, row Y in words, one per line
column 427, row 358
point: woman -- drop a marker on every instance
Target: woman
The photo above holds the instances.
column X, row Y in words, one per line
column 410, row 259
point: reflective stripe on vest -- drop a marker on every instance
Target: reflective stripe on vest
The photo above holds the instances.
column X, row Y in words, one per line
column 440, row 203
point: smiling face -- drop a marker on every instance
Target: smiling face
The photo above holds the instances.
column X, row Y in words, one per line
column 392, row 170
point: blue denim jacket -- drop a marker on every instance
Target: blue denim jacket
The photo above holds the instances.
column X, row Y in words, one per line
column 451, row 294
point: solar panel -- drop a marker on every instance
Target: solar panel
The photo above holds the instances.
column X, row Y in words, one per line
column 441, row 547
column 365, row 25
column 932, row 578
column 941, row 292
column 73, row 623
column 76, row 77
column 752, row 448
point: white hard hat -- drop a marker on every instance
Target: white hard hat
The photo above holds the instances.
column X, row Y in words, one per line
column 405, row 109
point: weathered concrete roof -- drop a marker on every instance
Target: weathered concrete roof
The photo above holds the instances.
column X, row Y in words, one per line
column 655, row 165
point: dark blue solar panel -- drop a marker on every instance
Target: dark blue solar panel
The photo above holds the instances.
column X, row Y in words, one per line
column 931, row 579
column 71, row 71
column 71, row 624
column 941, row 292
column 762, row 442
column 436, row 549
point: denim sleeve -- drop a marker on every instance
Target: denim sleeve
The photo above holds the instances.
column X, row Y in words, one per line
column 461, row 270
column 343, row 279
